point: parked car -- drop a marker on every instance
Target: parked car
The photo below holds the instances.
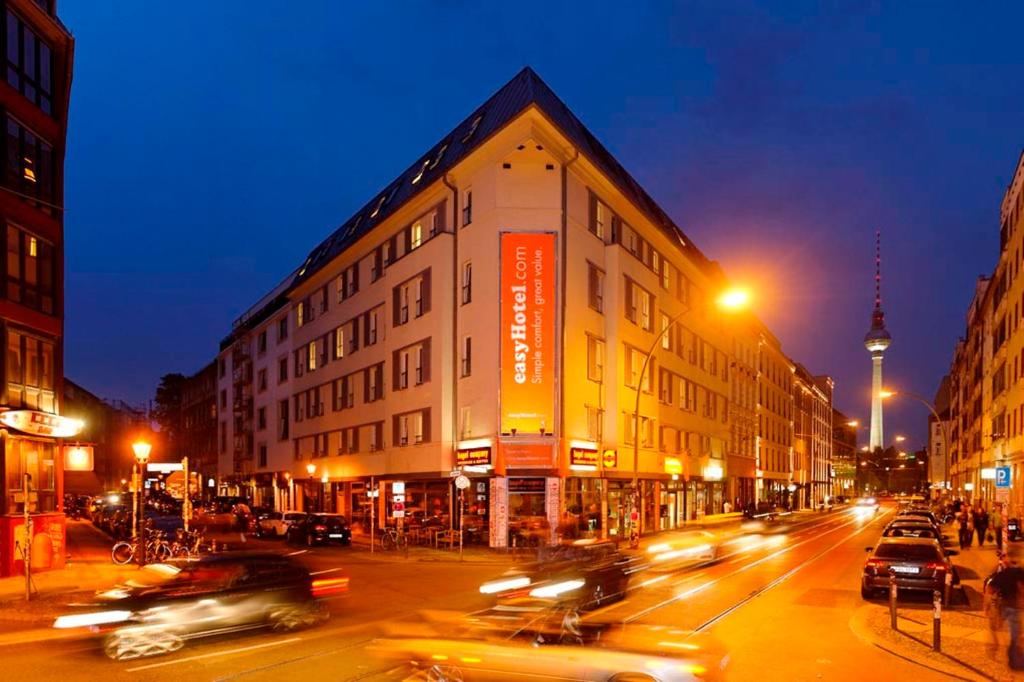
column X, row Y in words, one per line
column 918, row 513
column 916, row 563
column 584, row 574
column 916, row 530
column 276, row 524
column 320, row 529
column 215, row 594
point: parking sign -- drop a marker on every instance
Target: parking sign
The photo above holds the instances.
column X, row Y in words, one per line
column 1002, row 477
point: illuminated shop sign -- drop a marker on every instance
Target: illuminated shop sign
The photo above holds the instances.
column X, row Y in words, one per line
column 41, row 423
column 580, row 457
column 527, row 332
column 473, row 457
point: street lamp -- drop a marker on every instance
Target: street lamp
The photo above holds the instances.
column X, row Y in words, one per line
column 311, row 470
column 141, row 449
column 900, row 439
column 730, row 300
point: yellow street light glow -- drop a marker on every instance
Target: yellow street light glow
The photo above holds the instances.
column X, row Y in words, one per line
column 310, row 468
column 886, row 394
column 900, row 439
column 853, row 422
column 734, row 299
column 141, row 449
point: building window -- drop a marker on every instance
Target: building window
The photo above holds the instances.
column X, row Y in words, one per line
column 29, row 63
column 595, row 423
column 666, row 333
column 223, row 437
column 31, row 270
column 595, row 358
column 467, row 356
column 339, row 342
column 282, row 370
column 223, row 398
column 263, row 456
column 348, row 283
column 30, row 164
column 311, row 356
column 371, row 326
column 638, row 305
column 282, row 329
column 465, row 422
column 467, row 208
column 261, row 343
column 221, row 367
column 261, row 380
column 595, row 287
column 634, row 365
column 261, row 419
column 409, row 427
column 30, row 372
column 416, row 235
column 412, row 298
column 282, row 420
column 600, row 218
column 375, row 433
column 375, row 383
column 467, row 282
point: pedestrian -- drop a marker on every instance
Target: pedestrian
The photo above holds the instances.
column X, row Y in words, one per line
column 963, row 520
column 726, row 507
column 980, row 524
column 1006, row 588
column 995, row 522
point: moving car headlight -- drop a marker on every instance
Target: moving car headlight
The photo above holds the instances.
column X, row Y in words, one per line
column 502, row 585
column 85, row 619
column 556, row 589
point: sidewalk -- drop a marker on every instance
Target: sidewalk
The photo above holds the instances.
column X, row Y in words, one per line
column 970, row 649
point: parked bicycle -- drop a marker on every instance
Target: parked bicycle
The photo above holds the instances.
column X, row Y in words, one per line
column 157, row 549
column 391, row 539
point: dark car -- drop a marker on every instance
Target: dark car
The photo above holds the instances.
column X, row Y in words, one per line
column 916, row 563
column 320, row 529
column 911, row 530
column 584, row 574
column 215, row 595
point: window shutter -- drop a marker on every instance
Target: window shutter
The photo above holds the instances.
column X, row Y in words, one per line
column 366, row 385
column 395, row 305
column 426, row 424
column 407, row 239
column 592, row 222
column 441, row 222
column 355, row 276
column 395, row 437
column 355, row 334
column 366, row 328
column 591, row 285
column 425, row 291
column 425, row 360
column 394, row 370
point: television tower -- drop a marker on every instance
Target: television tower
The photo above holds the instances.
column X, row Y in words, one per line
column 876, row 341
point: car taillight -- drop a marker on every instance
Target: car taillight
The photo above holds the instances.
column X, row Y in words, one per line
column 327, row 586
column 320, row 528
column 936, row 566
column 874, row 564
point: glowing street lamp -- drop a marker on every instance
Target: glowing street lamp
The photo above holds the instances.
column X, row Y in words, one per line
column 900, row 439
column 311, row 470
column 853, row 423
column 729, row 300
column 141, row 449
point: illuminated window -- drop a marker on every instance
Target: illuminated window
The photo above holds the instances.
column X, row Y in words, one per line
column 416, row 235
column 311, row 356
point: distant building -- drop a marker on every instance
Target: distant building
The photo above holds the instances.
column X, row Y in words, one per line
column 34, row 96
column 110, row 427
column 812, row 440
column 845, row 453
column 198, row 435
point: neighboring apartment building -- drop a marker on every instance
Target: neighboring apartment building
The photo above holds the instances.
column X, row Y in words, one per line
column 34, row 97
column 775, row 422
column 199, row 423
column 845, row 454
column 491, row 311
column 812, row 437
column 970, row 381
column 938, row 435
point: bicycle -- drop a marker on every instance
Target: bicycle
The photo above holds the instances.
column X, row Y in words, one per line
column 157, row 548
column 391, row 539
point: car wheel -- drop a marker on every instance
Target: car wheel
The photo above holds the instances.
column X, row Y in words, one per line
column 444, row 673
column 866, row 593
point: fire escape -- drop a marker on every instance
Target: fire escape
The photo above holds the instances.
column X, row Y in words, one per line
column 242, row 407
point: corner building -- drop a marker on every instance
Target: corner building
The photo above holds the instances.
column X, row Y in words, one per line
column 34, row 97
column 490, row 311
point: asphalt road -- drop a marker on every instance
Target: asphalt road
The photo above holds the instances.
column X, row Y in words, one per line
column 780, row 603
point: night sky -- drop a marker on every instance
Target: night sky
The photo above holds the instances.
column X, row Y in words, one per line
column 213, row 144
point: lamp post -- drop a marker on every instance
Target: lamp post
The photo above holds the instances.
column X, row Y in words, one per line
column 141, row 449
column 732, row 299
column 947, row 474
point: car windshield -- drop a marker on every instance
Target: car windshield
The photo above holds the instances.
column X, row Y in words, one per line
column 907, row 552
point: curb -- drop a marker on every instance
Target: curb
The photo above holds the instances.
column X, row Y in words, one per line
column 858, row 624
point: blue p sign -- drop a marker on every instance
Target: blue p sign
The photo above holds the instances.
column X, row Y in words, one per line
column 1002, row 477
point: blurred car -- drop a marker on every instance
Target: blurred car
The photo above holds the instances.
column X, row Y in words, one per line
column 319, row 529
column 275, row 524
column 647, row 653
column 216, row 594
column 684, row 548
column 585, row 574
column 916, row 563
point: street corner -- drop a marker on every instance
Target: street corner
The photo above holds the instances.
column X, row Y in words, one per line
column 968, row 651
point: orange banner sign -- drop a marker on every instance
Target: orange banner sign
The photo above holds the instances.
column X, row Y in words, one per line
column 527, row 332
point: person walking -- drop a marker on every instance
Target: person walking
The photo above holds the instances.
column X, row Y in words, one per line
column 1006, row 588
column 995, row 522
column 980, row 523
column 963, row 520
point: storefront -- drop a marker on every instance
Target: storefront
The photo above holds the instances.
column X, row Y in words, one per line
column 33, row 472
column 582, row 508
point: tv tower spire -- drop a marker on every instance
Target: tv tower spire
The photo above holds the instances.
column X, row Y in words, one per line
column 876, row 341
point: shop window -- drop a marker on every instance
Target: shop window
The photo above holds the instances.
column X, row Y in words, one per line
column 30, row 372
column 36, row 459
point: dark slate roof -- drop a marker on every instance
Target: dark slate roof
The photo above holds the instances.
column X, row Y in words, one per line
column 525, row 89
column 506, row 104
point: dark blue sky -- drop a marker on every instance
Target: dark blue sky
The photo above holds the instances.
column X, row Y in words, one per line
column 212, row 144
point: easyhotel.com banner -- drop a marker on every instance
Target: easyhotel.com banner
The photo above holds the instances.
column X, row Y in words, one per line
column 527, row 332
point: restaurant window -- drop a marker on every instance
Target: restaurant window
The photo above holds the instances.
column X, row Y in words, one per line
column 31, row 270
column 29, row 63
column 30, row 163
column 30, row 372
column 36, row 459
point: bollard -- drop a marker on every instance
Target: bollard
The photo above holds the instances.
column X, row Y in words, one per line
column 949, row 588
column 892, row 598
column 937, row 621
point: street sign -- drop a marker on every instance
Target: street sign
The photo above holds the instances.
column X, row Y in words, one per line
column 1002, row 477
column 461, row 482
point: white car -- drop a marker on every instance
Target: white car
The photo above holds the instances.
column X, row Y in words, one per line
column 276, row 524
